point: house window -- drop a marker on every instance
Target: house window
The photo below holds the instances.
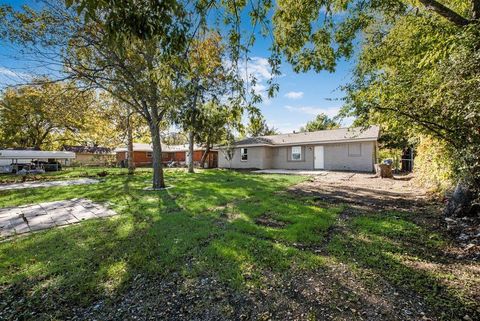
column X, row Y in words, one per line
column 149, row 154
column 355, row 149
column 244, row 154
column 296, row 153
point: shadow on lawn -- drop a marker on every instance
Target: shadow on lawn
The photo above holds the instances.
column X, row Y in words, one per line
column 387, row 246
column 155, row 233
column 204, row 227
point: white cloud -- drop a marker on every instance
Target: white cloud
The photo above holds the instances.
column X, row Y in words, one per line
column 7, row 72
column 10, row 77
column 294, row 94
column 309, row 110
column 13, row 74
column 259, row 68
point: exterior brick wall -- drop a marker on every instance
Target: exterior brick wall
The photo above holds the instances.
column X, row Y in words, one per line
column 144, row 158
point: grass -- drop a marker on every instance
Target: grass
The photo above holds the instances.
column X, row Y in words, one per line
column 391, row 247
column 205, row 226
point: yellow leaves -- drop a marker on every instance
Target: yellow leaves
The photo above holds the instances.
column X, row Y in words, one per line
column 206, row 55
column 49, row 115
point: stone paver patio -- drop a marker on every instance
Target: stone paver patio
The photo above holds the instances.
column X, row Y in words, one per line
column 80, row 181
column 29, row 218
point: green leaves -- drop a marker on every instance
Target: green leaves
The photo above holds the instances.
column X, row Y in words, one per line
column 44, row 116
column 138, row 19
column 321, row 122
column 420, row 76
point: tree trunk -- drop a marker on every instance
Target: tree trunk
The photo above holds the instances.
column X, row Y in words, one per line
column 158, row 180
column 462, row 202
column 190, row 151
column 445, row 12
column 131, row 164
column 204, row 156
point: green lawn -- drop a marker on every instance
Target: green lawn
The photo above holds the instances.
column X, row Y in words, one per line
column 207, row 224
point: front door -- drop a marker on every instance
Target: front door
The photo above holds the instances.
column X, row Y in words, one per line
column 318, row 157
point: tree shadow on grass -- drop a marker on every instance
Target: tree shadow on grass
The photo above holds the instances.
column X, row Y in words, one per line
column 388, row 247
column 155, row 233
column 202, row 228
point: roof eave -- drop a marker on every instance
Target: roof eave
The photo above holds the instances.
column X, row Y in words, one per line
column 369, row 139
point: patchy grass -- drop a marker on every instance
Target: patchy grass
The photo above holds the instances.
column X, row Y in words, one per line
column 207, row 227
column 389, row 246
column 158, row 233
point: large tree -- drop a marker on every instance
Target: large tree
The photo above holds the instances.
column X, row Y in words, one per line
column 417, row 68
column 148, row 71
column 208, row 78
column 140, row 73
column 47, row 116
column 316, row 34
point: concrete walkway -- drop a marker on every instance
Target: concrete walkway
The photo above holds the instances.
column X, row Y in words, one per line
column 80, row 181
column 29, row 218
column 292, row 172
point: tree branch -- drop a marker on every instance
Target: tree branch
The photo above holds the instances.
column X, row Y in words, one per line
column 446, row 12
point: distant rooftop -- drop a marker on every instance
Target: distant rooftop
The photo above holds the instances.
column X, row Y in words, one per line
column 321, row 136
column 88, row 149
column 139, row 147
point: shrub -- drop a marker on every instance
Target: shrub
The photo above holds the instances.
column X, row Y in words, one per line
column 435, row 165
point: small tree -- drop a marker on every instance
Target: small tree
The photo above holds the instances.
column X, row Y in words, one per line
column 321, row 122
column 214, row 123
column 228, row 150
column 257, row 126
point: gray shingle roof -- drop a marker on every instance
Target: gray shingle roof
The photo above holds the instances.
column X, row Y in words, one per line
column 322, row 136
column 139, row 147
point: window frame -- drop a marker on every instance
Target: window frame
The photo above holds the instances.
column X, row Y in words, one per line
column 242, row 153
column 149, row 154
column 351, row 154
column 300, row 152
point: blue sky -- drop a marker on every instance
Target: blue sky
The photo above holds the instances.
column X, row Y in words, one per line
column 300, row 98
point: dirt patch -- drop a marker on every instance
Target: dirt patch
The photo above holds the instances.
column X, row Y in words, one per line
column 325, row 294
column 364, row 191
column 268, row 221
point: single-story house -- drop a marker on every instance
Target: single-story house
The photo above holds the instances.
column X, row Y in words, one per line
column 91, row 155
column 345, row 149
column 143, row 154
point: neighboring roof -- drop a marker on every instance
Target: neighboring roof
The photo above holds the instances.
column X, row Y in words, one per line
column 137, row 147
column 34, row 154
column 322, row 136
column 88, row 149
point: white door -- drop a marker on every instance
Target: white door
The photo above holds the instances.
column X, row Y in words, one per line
column 318, row 157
